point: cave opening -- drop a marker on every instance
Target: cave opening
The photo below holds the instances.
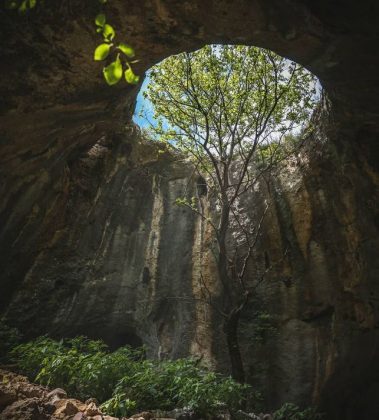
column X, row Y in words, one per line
column 146, row 116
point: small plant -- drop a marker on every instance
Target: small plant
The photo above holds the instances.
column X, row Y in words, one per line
column 121, row 65
column 291, row 411
column 113, row 72
column 119, row 405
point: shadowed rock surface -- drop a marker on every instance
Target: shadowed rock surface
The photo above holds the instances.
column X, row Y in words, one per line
column 91, row 242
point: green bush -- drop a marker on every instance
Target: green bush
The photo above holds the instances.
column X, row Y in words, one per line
column 176, row 384
column 123, row 380
column 291, row 411
column 84, row 368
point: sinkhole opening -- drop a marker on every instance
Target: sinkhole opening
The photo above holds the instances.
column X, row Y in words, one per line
column 222, row 102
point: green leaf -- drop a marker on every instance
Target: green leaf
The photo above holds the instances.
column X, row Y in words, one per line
column 113, row 72
column 102, row 52
column 108, row 32
column 127, row 50
column 23, row 7
column 130, row 77
column 100, row 20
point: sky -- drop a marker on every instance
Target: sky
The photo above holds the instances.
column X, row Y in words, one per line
column 142, row 102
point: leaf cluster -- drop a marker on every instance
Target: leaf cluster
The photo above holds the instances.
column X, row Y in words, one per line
column 272, row 153
column 184, row 202
column 121, row 65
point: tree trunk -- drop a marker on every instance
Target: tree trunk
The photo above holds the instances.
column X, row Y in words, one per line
column 222, row 262
column 231, row 321
column 231, row 330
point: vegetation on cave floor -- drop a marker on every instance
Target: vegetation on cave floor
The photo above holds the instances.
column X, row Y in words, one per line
column 125, row 382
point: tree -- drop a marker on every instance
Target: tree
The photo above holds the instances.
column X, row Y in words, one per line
column 226, row 107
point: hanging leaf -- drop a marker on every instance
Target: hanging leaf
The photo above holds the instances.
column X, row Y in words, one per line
column 127, row 50
column 113, row 72
column 100, row 20
column 23, row 7
column 108, row 32
column 130, row 77
column 102, row 52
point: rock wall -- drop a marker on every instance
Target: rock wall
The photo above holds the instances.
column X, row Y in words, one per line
column 320, row 344
column 126, row 266
column 90, row 242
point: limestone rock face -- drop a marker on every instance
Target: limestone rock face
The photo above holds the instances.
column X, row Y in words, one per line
column 91, row 243
column 321, row 294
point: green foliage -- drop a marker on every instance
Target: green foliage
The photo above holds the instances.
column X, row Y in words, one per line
column 176, row 384
column 113, row 72
column 10, row 337
column 184, row 202
column 123, row 380
column 270, row 154
column 130, row 77
column 221, row 102
column 102, row 52
column 100, row 21
column 291, row 411
column 127, row 50
column 83, row 367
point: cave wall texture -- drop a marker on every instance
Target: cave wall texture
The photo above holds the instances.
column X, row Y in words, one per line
column 91, row 242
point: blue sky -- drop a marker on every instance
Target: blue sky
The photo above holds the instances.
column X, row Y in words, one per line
column 142, row 103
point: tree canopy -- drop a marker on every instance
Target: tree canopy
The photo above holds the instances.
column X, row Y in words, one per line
column 220, row 103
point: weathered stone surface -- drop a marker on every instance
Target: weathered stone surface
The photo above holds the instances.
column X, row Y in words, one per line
column 90, row 242
column 22, row 400
column 14, row 387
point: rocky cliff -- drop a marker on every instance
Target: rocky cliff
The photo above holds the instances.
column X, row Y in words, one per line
column 91, row 242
